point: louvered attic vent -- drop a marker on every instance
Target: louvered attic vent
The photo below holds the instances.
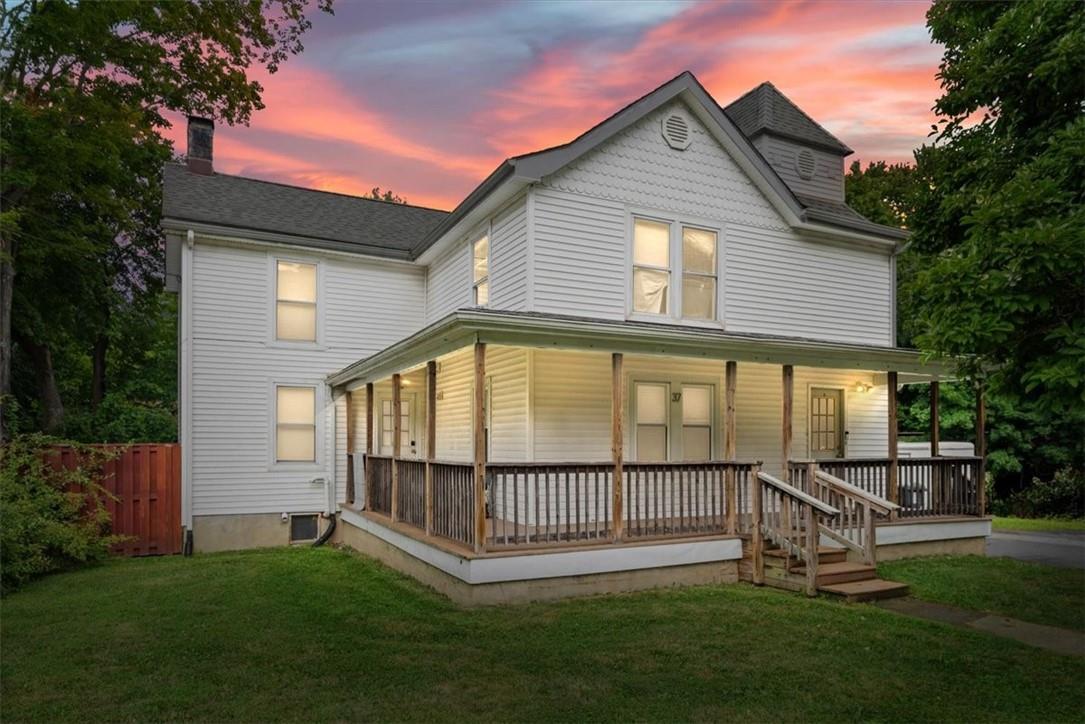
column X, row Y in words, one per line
column 805, row 164
column 676, row 131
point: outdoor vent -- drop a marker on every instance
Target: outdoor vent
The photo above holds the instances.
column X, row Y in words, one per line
column 805, row 164
column 676, row 131
column 303, row 528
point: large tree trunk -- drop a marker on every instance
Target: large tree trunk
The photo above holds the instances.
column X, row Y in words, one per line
column 52, row 408
column 98, row 371
column 7, row 281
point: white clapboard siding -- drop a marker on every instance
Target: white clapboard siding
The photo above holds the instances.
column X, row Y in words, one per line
column 828, row 179
column 364, row 307
column 508, row 257
column 448, row 282
column 506, row 370
column 773, row 281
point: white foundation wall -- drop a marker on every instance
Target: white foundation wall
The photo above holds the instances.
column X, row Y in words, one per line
column 772, row 281
column 363, row 306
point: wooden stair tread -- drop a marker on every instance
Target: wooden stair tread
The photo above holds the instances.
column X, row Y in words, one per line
column 869, row 590
column 822, row 551
column 832, row 569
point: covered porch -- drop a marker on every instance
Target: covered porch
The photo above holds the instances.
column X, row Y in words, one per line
column 521, row 432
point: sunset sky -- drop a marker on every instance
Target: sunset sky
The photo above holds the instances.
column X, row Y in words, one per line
column 426, row 98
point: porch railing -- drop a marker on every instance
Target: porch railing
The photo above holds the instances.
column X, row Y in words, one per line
column 453, row 501
column 379, row 483
column 679, row 499
column 411, row 492
column 792, row 520
column 855, row 526
column 925, row 486
column 536, row 503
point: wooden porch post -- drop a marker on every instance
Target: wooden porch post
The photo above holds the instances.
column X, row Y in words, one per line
column 936, row 433
column 349, row 497
column 730, row 444
column 368, row 444
column 479, row 428
column 789, row 389
column 891, row 483
column 431, row 440
column 981, row 450
column 397, row 433
column 756, row 541
column 616, row 440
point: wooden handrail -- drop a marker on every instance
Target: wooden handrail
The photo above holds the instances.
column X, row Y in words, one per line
column 823, row 508
column 876, row 502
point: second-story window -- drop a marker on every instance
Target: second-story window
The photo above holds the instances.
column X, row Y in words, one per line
column 295, row 301
column 698, row 273
column 481, row 267
column 651, row 266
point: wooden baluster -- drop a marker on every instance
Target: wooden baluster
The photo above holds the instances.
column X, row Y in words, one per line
column 756, row 541
column 870, row 543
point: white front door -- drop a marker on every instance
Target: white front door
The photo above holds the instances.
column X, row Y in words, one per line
column 408, row 440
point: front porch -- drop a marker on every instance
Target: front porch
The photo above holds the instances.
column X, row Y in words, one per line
column 499, row 488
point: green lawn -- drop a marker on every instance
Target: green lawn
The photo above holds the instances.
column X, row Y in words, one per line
column 1026, row 591
column 322, row 634
column 1039, row 524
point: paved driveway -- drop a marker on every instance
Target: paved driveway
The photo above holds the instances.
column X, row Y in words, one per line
column 1054, row 549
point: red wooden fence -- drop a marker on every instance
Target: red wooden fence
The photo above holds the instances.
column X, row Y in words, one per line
column 146, row 481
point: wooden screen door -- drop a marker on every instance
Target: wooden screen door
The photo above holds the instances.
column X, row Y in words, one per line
column 826, row 423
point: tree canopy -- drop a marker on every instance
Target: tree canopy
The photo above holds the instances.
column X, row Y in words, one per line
column 85, row 89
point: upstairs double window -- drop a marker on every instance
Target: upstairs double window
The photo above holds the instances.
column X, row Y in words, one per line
column 481, row 271
column 674, row 270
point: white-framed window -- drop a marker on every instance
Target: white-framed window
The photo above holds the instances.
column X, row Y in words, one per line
column 699, row 249
column 675, row 269
column 651, row 266
column 295, row 424
column 652, row 400
column 295, row 301
column 480, row 253
column 697, row 420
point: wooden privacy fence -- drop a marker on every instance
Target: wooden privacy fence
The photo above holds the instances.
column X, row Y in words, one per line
column 144, row 481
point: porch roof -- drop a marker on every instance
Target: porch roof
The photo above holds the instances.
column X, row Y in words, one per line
column 464, row 327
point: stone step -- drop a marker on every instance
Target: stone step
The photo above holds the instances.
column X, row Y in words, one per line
column 869, row 590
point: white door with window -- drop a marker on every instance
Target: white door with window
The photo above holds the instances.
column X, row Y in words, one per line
column 827, row 435
column 673, row 421
column 408, row 439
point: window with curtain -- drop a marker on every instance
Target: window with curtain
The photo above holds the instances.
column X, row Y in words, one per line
column 698, row 273
column 295, row 301
column 652, row 400
column 697, row 422
column 481, row 267
column 651, row 266
column 295, row 424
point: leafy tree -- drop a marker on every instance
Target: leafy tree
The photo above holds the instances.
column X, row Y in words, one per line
column 882, row 192
column 84, row 89
column 1000, row 220
column 377, row 195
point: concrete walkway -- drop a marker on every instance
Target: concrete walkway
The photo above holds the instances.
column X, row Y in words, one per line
column 1064, row 549
column 1059, row 640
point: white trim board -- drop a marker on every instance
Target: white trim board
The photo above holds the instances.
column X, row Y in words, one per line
column 559, row 564
column 932, row 530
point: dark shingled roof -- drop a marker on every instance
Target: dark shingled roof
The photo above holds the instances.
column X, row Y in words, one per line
column 766, row 110
column 837, row 213
column 327, row 220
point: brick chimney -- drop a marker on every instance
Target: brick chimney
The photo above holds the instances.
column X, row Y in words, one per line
column 201, row 142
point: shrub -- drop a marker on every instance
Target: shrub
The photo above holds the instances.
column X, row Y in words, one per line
column 1063, row 496
column 50, row 519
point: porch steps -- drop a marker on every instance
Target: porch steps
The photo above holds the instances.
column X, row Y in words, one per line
column 836, row 575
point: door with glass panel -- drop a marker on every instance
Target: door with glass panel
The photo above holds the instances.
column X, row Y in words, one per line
column 687, row 408
column 826, row 423
column 408, row 440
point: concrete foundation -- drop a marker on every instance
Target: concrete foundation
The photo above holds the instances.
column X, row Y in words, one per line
column 212, row 533
column 545, row 589
column 956, row 547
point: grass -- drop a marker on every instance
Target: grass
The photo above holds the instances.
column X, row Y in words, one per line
column 321, row 634
column 1025, row 591
column 1039, row 524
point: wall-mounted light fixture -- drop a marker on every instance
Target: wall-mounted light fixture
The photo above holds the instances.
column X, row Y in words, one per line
column 862, row 387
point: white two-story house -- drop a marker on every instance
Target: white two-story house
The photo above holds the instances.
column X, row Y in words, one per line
column 662, row 352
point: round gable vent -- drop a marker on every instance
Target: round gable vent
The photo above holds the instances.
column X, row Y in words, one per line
column 676, row 131
column 805, row 164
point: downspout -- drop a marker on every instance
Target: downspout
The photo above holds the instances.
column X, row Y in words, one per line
column 185, row 382
column 329, row 511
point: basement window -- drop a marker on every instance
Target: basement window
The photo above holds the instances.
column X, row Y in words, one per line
column 303, row 528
